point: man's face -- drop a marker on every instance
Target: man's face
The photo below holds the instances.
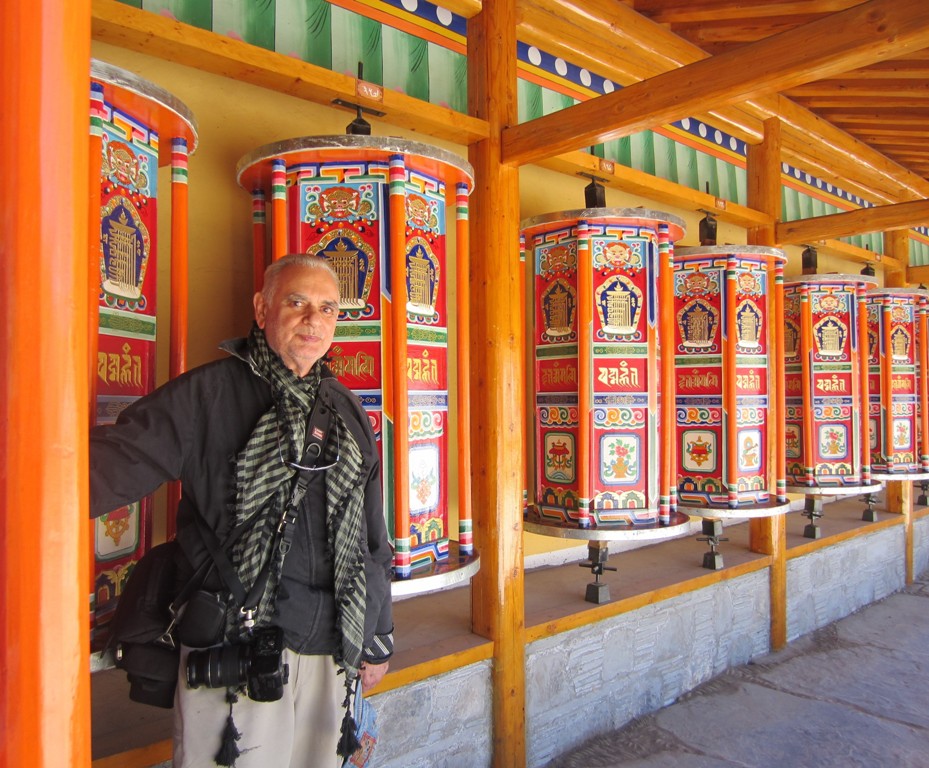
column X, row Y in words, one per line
column 299, row 317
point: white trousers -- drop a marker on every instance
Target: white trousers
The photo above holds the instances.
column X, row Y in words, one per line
column 301, row 730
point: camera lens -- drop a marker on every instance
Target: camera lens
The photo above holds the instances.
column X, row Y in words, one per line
column 218, row 667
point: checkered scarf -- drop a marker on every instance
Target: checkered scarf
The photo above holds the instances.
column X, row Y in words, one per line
column 263, row 488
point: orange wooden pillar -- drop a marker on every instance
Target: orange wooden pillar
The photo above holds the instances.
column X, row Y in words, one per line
column 177, row 362
column 768, row 535
column 463, row 333
column 44, row 534
column 497, row 383
column 899, row 493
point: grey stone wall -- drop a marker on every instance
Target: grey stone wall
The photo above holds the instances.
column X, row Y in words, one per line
column 598, row 677
column 444, row 722
column 833, row 582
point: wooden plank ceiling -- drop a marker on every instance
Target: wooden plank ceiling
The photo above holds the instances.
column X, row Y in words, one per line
column 857, row 123
column 885, row 105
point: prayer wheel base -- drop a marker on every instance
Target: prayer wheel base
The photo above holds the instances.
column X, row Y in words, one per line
column 452, row 571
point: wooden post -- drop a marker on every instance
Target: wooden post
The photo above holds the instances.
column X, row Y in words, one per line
column 769, row 534
column 899, row 493
column 497, row 385
column 44, row 531
column 897, row 248
column 899, row 498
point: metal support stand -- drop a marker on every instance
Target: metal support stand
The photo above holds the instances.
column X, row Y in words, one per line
column 870, row 513
column 923, row 498
column 813, row 509
column 597, row 553
column 712, row 534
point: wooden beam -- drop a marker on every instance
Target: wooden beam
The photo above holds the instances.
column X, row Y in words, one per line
column 880, row 219
column 641, row 184
column 155, row 35
column 873, row 31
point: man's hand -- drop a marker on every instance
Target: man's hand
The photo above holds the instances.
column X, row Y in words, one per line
column 372, row 674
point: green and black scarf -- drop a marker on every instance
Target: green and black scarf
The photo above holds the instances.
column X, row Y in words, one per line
column 264, row 481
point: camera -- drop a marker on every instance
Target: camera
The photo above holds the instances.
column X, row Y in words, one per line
column 257, row 665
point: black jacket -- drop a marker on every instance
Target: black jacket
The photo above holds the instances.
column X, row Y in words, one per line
column 191, row 429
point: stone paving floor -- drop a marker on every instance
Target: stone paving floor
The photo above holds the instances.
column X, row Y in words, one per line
column 854, row 694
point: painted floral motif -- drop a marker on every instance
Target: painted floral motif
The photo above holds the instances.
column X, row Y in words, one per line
column 833, row 442
column 620, row 460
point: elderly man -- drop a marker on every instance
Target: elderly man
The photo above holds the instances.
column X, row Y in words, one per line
column 235, row 433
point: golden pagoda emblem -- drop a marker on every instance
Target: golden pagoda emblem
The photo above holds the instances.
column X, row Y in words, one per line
column 829, row 336
column 352, row 259
column 748, row 323
column 422, row 278
column 698, row 322
column 559, row 304
column 619, row 304
column 900, row 343
column 126, row 246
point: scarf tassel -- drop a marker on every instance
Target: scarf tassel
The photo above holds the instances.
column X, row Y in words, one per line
column 228, row 749
column 348, row 742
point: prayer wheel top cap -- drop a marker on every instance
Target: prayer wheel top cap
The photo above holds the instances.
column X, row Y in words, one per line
column 830, row 278
column 675, row 224
column 144, row 100
column 722, row 250
column 898, row 292
column 254, row 171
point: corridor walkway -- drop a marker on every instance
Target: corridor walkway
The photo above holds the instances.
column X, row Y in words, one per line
column 854, row 694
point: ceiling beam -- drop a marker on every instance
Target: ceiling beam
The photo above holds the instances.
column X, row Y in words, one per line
column 883, row 218
column 873, row 31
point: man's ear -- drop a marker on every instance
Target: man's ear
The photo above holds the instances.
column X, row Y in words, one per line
column 261, row 309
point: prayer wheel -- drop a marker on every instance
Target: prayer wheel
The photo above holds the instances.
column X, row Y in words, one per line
column 135, row 127
column 377, row 209
column 827, row 384
column 726, row 369
column 897, row 352
column 601, row 366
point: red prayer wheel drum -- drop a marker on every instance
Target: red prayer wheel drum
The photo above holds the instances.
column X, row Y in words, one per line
column 896, row 354
column 376, row 209
column 724, row 334
column 602, row 280
column 135, row 127
column 825, row 321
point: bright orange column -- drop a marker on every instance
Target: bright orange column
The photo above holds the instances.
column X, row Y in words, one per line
column 398, row 357
column 44, row 391
column 498, row 394
column 177, row 358
column 463, row 333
